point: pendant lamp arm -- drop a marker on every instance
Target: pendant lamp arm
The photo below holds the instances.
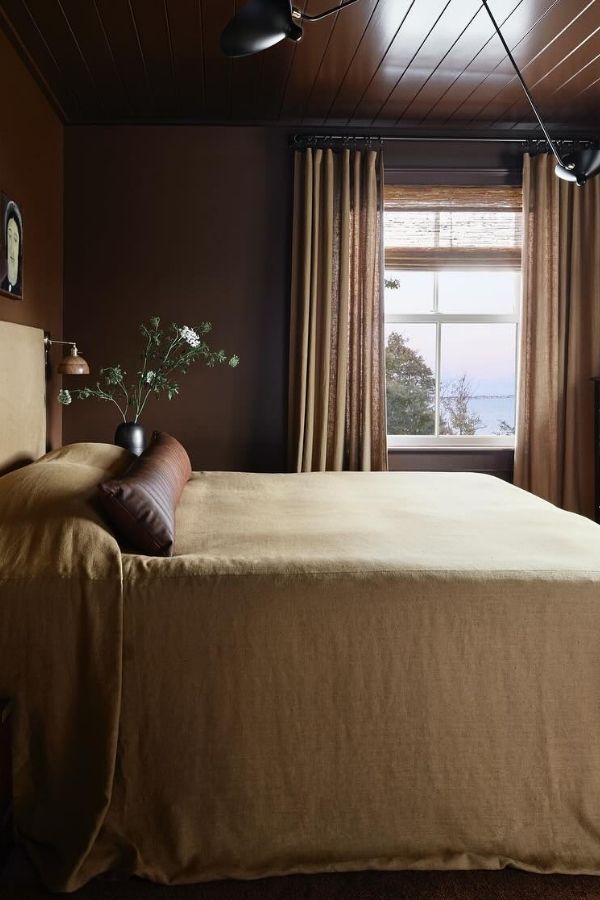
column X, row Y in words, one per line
column 306, row 18
column 523, row 85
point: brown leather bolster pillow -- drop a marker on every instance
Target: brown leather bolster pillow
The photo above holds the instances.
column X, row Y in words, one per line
column 141, row 505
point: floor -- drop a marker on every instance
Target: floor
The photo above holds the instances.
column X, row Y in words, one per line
column 18, row 883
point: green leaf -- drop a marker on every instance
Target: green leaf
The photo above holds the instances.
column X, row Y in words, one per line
column 113, row 374
column 182, row 353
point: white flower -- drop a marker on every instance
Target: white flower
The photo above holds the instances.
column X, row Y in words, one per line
column 150, row 376
column 190, row 336
column 65, row 398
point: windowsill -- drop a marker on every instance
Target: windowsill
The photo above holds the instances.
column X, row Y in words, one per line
column 450, row 442
column 464, row 448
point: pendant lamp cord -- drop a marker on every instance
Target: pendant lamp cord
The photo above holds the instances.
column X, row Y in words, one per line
column 551, row 144
column 306, row 18
column 523, row 85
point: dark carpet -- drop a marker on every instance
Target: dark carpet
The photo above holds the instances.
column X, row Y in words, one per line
column 18, row 883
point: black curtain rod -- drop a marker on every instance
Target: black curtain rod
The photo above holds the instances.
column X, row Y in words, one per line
column 309, row 140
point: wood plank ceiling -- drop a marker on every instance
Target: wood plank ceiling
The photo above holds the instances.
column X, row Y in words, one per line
column 403, row 64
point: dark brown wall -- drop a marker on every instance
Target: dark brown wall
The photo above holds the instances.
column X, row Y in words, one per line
column 490, row 461
column 192, row 223
column 188, row 223
column 453, row 162
column 31, row 172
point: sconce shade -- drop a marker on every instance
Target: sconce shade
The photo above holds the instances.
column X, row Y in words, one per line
column 73, row 364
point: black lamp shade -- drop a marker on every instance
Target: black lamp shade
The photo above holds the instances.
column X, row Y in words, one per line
column 259, row 25
column 580, row 166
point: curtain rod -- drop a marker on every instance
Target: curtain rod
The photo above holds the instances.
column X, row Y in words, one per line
column 535, row 144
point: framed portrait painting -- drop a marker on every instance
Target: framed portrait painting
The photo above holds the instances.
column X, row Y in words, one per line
column 11, row 248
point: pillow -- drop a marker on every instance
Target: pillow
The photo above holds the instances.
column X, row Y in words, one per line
column 114, row 461
column 141, row 505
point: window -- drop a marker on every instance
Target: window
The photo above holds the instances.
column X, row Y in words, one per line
column 452, row 299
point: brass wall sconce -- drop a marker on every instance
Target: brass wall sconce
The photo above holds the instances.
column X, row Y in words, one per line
column 72, row 363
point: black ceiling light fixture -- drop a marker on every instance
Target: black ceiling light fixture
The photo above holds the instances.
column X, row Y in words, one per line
column 262, row 23
column 579, row 165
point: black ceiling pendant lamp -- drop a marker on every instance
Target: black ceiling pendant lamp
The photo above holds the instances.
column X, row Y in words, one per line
column 262, row 23
column 582, row 163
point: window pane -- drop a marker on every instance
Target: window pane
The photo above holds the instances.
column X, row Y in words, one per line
column 410, row 378
column 478, row 379
column 410, row 229
column 452, row 228
column 478, row 292
column 408, row 292
column 480, row 229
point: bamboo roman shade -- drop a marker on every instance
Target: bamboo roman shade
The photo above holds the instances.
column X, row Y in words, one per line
column 435, row 227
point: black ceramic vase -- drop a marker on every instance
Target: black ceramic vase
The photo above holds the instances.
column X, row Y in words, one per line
column 131, row 436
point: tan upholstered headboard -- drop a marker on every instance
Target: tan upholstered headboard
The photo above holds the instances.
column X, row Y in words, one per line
column 22, row 395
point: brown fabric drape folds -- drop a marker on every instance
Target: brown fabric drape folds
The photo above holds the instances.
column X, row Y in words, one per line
column 337, row 373
column 560, row 337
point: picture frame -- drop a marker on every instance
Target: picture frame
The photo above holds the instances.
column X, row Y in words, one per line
column 11, row 248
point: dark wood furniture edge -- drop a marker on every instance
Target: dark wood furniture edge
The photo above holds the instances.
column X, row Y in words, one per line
column 6, row 707
column 596, row 381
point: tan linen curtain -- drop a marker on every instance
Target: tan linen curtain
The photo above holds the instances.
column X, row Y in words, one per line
column 337, row 372
column 560, row 337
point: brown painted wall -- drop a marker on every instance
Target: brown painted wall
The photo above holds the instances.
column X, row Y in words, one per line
column 188, row 223
column 31, row 172
column 497, row 461
column 193, row 223
column 441, row 162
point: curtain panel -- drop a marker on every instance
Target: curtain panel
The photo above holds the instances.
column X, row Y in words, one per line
column 337, row 369
column 560, row 337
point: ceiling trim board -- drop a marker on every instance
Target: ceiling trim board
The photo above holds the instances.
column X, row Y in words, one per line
column 27, row 59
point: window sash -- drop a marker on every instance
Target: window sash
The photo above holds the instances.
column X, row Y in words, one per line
column 456, row 318
column 454, row 440
column 447, row 441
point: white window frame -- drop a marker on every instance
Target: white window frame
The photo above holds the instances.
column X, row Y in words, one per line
column 447, row 441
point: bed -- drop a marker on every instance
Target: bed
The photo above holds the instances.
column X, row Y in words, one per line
column 333, row 672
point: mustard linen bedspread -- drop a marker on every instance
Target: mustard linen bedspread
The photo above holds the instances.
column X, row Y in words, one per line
column 61, row 624
column 347, row 671
column 335, row 672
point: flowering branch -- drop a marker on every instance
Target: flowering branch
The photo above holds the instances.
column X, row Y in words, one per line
column 165, row 352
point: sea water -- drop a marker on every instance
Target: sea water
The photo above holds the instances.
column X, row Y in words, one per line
column 493, row 410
